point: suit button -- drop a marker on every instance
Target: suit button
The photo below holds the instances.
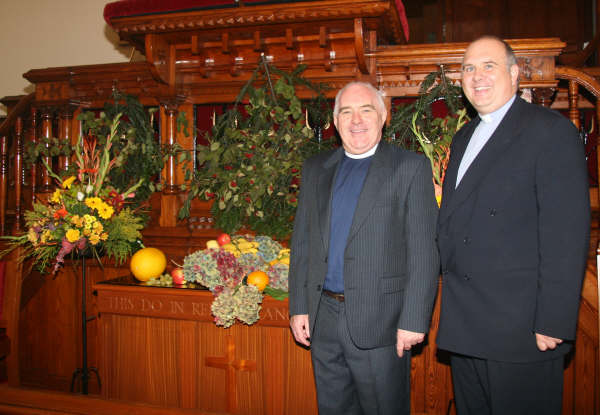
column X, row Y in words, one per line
column 493, row 212
column 466, row 240
column 466, row 277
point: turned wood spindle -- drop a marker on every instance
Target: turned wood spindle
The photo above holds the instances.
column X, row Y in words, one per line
column 65, row 134
column 170, row 187
column 46, row 180
column 19, row 172
column 573, row 102
column 33, row 138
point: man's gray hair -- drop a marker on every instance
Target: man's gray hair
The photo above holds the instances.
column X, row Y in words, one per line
column 378, row 96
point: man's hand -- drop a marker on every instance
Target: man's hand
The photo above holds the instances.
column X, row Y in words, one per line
column 546, row 342
column 299, row 325
column 407, row 339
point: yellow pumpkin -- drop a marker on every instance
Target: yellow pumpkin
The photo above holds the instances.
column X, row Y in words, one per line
column 148, row 263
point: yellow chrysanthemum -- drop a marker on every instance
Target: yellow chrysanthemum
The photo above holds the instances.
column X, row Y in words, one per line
column 94, row 239
column 73, row 235
column 93, row 202
column 56, row 196
column 105, row 211
column 77, row 220
column 97, row 227
column 87, row 231
column 104, row 236
column 66, row 184
column 89, row 220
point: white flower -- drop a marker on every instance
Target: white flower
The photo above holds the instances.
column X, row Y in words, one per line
column 80, row 196
column 89, row 188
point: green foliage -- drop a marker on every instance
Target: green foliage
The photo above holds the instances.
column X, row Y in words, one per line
column 414, row 127
column 251, row 167
column 123, row 233
column 436, row 86
column 45, row 147
column 137, row 151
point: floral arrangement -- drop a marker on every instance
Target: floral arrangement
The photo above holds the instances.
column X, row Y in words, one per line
column 415, row 127
column 251, row 167
column 238, row 274
column 436, row 146
column 85, row 214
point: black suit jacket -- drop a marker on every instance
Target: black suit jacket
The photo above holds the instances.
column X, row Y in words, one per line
column 513, row 238
column 391, row 261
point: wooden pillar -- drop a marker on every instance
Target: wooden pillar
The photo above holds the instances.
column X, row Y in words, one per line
column 65, row 134
column 169, row 202
column 18, row 173
column 33, row 134
column 170, row 186
column 46, row 132
column 573, row 103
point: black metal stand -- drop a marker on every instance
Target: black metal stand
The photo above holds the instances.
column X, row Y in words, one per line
column 84, row 371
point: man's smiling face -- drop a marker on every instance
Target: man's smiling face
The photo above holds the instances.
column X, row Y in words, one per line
column 359, row 120
column 487, row 81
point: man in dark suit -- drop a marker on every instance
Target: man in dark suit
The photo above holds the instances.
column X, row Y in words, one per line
column 513, row 234
column 364, row 264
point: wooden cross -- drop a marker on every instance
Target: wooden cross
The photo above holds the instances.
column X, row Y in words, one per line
column 230, row 364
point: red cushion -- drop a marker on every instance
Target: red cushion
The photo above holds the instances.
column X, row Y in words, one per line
column 124, row 8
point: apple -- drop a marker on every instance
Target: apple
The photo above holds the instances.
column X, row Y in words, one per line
column 177, row 275
column 223, row 239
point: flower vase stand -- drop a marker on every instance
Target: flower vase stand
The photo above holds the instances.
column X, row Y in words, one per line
column 84, row 371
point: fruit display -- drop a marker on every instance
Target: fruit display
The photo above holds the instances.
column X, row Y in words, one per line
column 239, row 270
column 148, row 263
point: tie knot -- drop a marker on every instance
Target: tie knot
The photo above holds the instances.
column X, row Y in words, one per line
column 486, row 118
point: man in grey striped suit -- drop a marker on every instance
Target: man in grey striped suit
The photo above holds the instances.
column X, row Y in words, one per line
column 364, row 265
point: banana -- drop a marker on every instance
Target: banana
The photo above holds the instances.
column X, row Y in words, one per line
column 212, row 244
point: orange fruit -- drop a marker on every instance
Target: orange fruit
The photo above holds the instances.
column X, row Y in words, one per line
column 259, row 279
column 148, row 263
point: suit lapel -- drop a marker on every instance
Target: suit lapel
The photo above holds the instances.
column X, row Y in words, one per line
column 459, row 145
column 504, row 135
column 371, row 188
column 324, row 193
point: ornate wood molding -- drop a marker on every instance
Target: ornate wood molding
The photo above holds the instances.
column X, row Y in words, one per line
column 381, row 15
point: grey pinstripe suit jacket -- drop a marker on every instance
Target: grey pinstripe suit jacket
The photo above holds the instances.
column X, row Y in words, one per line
column 391, row 262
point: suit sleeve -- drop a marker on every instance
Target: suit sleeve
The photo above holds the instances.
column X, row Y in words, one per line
column 422, row 254
column 563, row 222
column 299, row 250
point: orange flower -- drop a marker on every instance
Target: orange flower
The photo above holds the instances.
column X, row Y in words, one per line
column 60, row 213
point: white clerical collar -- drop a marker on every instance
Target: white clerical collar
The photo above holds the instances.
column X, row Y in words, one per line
column 499, row 113
column 363, row 155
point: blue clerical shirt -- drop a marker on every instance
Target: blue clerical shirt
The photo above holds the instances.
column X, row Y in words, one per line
column 347, row 187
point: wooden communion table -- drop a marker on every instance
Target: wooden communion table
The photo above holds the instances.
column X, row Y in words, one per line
column 159, row 345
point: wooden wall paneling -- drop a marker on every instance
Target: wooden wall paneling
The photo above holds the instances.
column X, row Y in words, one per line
column 273, row 356
column 49, row 330
column 300, row 393
column 189, row 380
